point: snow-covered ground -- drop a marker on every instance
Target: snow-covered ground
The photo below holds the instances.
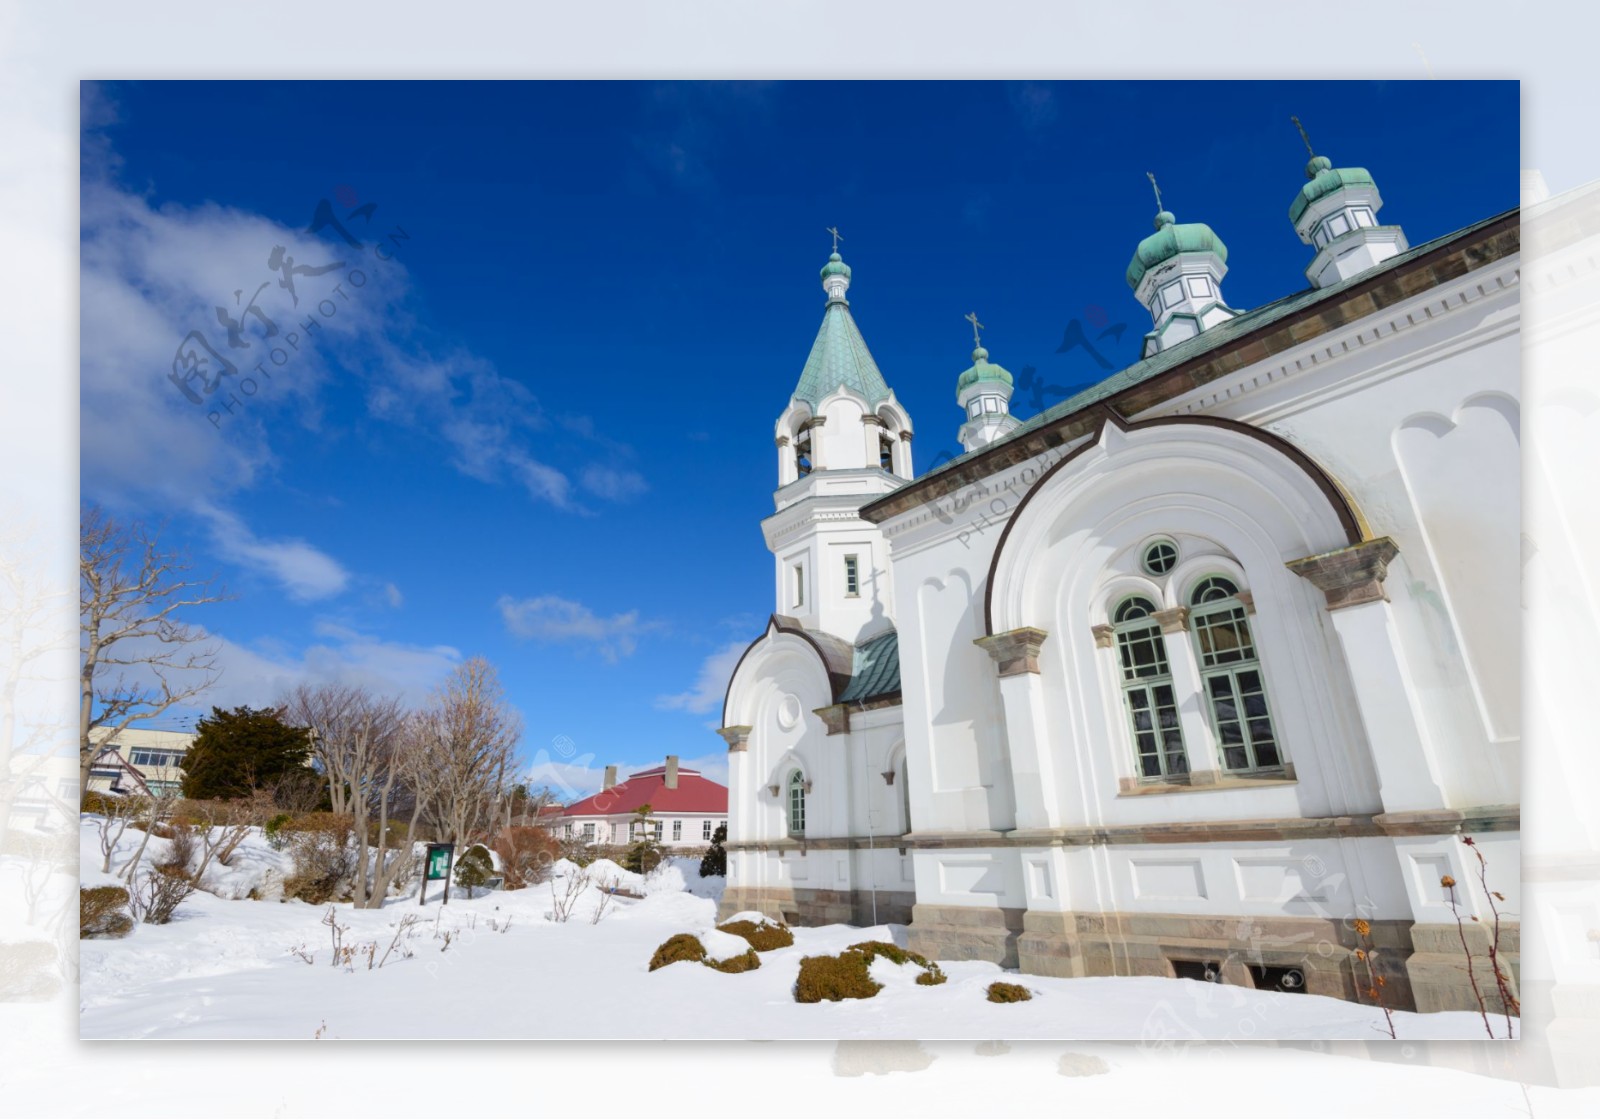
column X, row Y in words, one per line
column 499, row 966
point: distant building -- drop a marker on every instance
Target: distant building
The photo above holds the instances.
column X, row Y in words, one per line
column 140, row 761
column 686, row 808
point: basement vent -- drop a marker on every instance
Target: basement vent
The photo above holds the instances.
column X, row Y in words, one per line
column 1209, row 972
column 1269, row 979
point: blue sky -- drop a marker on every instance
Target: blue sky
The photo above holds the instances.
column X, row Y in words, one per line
column 541, row 427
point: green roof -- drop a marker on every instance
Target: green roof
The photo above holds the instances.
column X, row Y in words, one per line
column 1208, row 339
column 875, row 669
column 1325, row 179
column 839, row 357
column 982, row 370
column 835, row 267
column 1168, row 241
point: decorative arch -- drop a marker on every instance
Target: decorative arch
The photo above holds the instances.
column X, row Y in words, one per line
column 786, row 639
column 1234, row 479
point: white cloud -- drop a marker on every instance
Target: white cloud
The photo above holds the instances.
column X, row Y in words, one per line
column 710, row 686
column 550, row 618
column 613, row 484
column 152, row 274
column 305, row 571
column 262, row 673
column 392, row 596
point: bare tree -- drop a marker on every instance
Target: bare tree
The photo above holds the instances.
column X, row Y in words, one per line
column 474, row 733
column 358, row 741
column 407, row 778
column 138, row 658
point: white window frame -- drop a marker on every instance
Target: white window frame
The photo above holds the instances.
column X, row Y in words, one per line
column 795, row 804
column 852, row 576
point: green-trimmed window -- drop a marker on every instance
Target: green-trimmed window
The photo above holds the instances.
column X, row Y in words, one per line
column 1147, row 690
column 797, row 804
column 1230, row 677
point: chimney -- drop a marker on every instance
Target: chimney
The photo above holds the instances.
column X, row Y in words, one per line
column 672, row 771
column 611, row 777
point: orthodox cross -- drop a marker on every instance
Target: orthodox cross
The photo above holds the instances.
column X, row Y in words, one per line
column 972, row 317
column 1303, row 135
column 1151, row 175
column 836, row 237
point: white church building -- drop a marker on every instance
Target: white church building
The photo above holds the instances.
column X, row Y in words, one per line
column 1183, row 675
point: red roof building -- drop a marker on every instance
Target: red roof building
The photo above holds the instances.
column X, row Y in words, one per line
column 685, row 807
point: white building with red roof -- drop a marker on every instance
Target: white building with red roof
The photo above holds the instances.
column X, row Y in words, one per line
column 685, row 807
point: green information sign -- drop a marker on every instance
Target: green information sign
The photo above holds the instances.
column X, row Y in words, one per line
column 439, row 862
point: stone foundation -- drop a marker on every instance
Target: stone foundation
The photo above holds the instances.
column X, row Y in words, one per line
column 1438, row 966
column 966, row 933
column 800, row 906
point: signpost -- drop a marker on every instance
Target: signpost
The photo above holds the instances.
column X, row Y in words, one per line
column 438, row 864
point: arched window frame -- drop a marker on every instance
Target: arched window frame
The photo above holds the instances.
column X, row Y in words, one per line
column 795, row 803
column 1232, row 682
column 1149, row 694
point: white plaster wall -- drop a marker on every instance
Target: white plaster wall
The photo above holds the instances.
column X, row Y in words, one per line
column 1416, row 414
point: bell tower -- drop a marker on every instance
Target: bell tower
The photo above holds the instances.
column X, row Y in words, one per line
column 843, row 440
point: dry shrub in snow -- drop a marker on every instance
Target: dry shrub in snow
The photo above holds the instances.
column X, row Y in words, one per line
column 160, row 894
column 678, row 947
column 835, row 978
column 744, row 962
column 931, row 973
column 323, row 858
column 103, row 912
column 181, row 851
column 763, row 936
column 1001, row 992
column 526, row 854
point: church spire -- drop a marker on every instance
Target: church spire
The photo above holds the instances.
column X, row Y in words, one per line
column 1177, row 274
column 814, row 432
column 1336, row 213
column 984, row 393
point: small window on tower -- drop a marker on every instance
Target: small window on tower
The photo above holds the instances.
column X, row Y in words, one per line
column 886, row 453
column 802, row 456
column 975, row 407
column 799, row 585
column 991, row 404
column 852, row 577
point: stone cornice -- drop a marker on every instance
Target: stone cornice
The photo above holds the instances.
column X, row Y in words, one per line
column 1497, row 239
column 737, row 737
column 1436, row 822
column 1348, row 577
column 1015, row 651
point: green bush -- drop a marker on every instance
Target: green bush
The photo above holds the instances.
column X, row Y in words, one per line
column 763, row 937
column 835, row 978
column 274, row 830
column 1001, row 992
column 931, row 973
column 474, row 868
column 715, row 861
column 96, row 802
column 744, row 962
column 103, row 912
column 678, row 947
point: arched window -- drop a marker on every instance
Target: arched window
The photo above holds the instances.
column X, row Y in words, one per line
column 1147, row 690
column 797, row 804
column 1230, row 677
column 802, row 455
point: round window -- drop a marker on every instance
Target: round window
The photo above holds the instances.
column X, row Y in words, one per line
column 789, row 712
column 1160, row 557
